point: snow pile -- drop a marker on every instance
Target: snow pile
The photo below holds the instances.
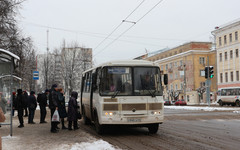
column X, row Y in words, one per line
column 203, row 108
column 96, row 145
column 238, row 112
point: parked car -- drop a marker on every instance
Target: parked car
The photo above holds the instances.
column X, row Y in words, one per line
column 167, row 102
column 181, row 102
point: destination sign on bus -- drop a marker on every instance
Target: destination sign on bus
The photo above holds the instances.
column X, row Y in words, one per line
column 118, row 70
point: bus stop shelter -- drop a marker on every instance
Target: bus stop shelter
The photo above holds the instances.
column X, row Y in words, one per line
column 8, row 82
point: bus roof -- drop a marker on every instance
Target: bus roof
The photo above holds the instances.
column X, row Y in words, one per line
column 126, row 63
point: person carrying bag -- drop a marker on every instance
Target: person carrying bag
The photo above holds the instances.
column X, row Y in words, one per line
column 2, row 119
column 55, row 117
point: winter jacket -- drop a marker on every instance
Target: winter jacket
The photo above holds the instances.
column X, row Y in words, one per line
column 32, row 102
column 53, row 99
column 73, row 107
column 42, row 99
column 20, row 100
column 61, row 105
column 3, row 103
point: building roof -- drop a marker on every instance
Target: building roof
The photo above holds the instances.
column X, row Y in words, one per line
column 6, row 56
column 226, row 26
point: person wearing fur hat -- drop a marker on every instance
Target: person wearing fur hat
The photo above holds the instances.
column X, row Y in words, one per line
column 20, row 107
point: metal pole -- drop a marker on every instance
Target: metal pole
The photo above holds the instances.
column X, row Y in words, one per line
column 185, row 86
column 208, row 85
column 11, row 96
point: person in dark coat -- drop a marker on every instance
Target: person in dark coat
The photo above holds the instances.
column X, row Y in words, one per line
column 14, row 98
column 42, row 100
column 73, row 111
column 32, row 105
column 20, row 107
column 25, row 95
column 53, row 105
column 61, row 107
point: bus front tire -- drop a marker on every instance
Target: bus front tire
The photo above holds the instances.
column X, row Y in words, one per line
column 220, row 103
column 237, row 103
column 153, row 128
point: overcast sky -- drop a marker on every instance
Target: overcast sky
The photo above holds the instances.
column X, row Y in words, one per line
column 89, row 22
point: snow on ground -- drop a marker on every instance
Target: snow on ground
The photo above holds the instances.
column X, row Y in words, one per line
column 203, row 108
column 97, row 145
column 238, row 112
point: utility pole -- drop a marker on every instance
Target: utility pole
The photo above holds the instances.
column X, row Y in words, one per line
column 46, row 67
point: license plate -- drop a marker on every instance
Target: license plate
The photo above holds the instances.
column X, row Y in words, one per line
column 134, row 119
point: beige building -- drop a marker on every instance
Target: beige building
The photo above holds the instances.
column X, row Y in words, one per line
column 185, row 66
column 227, row 52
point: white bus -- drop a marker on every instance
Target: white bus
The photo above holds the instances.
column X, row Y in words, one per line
column 123, row 93
column 229, row 96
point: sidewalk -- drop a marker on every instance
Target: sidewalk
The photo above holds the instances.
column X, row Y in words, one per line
column 38, row 136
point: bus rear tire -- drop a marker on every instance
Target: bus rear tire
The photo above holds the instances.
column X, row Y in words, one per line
column 220, row 103
column 153, row 128
column 237, row 103
column 86, row 121
column 99, row 128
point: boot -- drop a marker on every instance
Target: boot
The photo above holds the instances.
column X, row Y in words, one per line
column 69, row 125
column 63, row 126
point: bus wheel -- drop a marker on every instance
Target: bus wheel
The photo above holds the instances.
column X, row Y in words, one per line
column 237, row 103
column 220, row 103
column 86, row 121
column 99, row 128
column 153, row 128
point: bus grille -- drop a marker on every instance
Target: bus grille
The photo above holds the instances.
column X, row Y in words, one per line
column 130, row 107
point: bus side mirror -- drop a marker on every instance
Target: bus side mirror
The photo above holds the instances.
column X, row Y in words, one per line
column 165, row 79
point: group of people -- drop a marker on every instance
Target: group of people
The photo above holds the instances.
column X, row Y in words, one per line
column 56, row 102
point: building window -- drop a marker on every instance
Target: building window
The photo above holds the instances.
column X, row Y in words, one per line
column 202, row 84
column 226, row 77
column 202, row 60
column 181, row 86
column 220, row 41
column 236, row 52
column 225, row 39
column 230, row 37
column 225, row 55
column 161, row 67
column 171, row 76
column 176, row 75
column 170, row 66
column 166, row 67
column 176, row 87
column 237, row 75
column 236, row 36
column 231, row 54
column 221, row 77
column 171, row 87
column 176, row 64
column 220, row 56
column 181, row 63
column 231, row 76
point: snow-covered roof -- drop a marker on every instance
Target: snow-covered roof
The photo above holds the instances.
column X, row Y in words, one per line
column 6, row 56
column 10, row 76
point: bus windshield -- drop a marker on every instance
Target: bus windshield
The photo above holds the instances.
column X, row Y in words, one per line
column 138, row 81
